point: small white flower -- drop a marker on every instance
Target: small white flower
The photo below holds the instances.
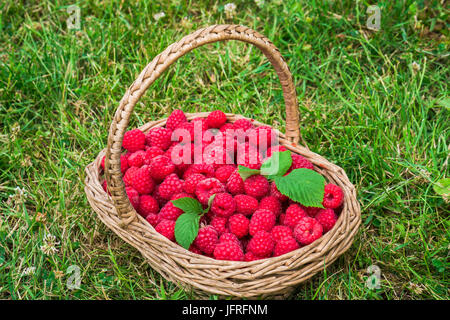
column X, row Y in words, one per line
column 49, row 244
column 230, row 9
column 28, row 271
column 259, row 3
column 159, row 15
column 415, row 66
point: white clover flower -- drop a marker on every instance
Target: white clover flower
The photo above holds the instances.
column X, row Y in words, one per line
column 415, row 66
column 259, row 3
column 49, row 244
column 159, row 15
column 230, row 9
column 28, row 271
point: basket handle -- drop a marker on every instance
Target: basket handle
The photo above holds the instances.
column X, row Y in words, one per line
column 155, row 68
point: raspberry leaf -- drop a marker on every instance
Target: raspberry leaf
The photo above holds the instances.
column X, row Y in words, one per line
column 245, row 172
column 277, row 165
column 188, row 205
column 304, row 186
column 186, row 229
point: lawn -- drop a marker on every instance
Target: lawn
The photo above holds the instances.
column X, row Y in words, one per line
column 374, row 102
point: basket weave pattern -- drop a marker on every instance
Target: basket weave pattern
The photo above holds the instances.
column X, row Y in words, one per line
column 261, row 278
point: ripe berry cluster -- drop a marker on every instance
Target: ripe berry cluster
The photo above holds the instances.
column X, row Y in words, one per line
column 248, row 220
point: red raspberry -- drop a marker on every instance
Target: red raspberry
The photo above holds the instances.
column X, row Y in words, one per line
column 191, row 182
column 153, row 219
column 307, row 230
column 270, row 203
column 327, row 218
column 151, row 153
column 206, row 188
column 228, row 250
column 167, row 229
column 238, row 225
column 273, row 149
column 262, row 137
column 248, row 156
column 226, row 126
column 176, row 118
column 202, row 121
column 220, row 224
column 223, row 172
column 300, row 162
column 176, row 153
column 256, row 186
column 279, row 232
column 128, row 176
column 170, row 186
column 147, row 205
column 310, row 211
column 243, row 124
column 216, row 119
column 136, row 159
column 142, row 181
column 285, row 245
column 333, row 196
column 181, row 195
column 216, row 155
column 277, row 194
column 123, row 163
column 184, row 132
column 160, row 137
column 228, row 236
column 235, row 184
column 158, row 197
column 133, row 196
column 134, row 140
column 294, row 214
column 250, row 256
column 262, row 220
column 245, row 204
column 205, row 169
column 170, row 212
column 223, row 205
column 105, row 186
column 281, row 219
column 161, row 167
column 194, row 249
column 206, row 239
column 261, row 244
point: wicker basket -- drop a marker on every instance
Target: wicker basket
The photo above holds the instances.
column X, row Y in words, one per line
column 272, row 277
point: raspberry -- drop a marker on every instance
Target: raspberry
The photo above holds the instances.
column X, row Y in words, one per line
column 205, row 169
column 176, row 153
column 333, row 196
column 184, row 132
column 228, row 236
column 262, row 137
column 105, row 186
column 216, row 119
column 176, row 118
column 220, row 224
column 300, row 162
column 190, row 183
column 170, row 212
column 142, row 181
column 285, row 245
column 151, row 153
column 134, row 140
column 235, row 184
column 311, row 211
column 161, row 167
column 223, row 172
column 307, row 230
column 123, row 163
column 228, row 250
column 194, row 249
column 158, row 197
column 223, row 205
column 256, row 186
column 147, row 205
column 294, row 214
column 327, row 218
column 250, row 256
column 248, row 156
column 170, row 186
column 261, row 244
column 226, row 126
column 273, row 149
column 206, row 188
column 277, row 194
column 245, row 204
column 136, row 159
column 279, row 232
column 243, row 124
column 181, row 195
column 153, row 219
column 238, row 225
column 203, row 123
column 133, row 196
column 206, row 239
column 270, row 203
column 160, row 137
column 281, row 219
column 261, row 220
column 166, row 228
column 216, row 155
column 128, row 176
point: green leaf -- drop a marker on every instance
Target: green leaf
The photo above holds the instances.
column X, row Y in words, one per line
column 186, row 229
column 188, row 205
column 277, row 165
column 245, row 172
column 442, row 187
column 304, row 186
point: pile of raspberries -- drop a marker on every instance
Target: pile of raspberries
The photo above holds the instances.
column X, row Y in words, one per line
column 248, row 220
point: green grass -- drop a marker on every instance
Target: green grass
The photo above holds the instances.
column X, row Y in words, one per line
column 363, row 106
